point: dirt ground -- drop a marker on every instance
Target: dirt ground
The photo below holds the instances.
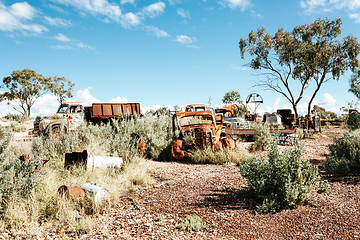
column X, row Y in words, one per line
column 209, row 191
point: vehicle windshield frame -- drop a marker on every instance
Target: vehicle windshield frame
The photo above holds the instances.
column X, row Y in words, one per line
column 62, row 107
column 195, row 118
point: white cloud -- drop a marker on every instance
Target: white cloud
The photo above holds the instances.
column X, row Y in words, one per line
column 157, row 32
column 61, row 47
column 173, row 2
column 184, row 39
column 183, row 13
column 355, row 16
column 83, row 46
column 85, row 97
column 16, row 17
column 277, row 105
column 62, row 38
column 23, row 10
column 56, row 8
column 328, row 100
column 130, row 20
column 119, row 100
column 234, row 4
column 44, row 105
column 238, row 67
column 154, row 10
column 71, row 43
column 127, row 1
column 95, row 7
column 57, row 22
column 144, row 109
column 315, row 6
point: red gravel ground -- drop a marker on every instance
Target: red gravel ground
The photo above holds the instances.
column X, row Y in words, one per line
column 209, row 191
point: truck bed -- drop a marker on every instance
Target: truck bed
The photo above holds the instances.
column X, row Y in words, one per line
column 102, row 111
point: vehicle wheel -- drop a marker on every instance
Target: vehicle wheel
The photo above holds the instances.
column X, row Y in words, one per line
column 56, row 130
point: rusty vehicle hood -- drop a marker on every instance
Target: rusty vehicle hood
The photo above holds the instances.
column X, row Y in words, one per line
column 52, row 116
column 213, row 127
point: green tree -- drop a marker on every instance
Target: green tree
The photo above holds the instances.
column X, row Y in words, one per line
column 62, row 88
column 233, row 98
column 322, row 113
column 310, row 52
column 24, row 87
column 355, row 84
column 162, row 111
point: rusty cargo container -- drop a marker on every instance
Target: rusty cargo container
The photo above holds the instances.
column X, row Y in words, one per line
column 103, row 112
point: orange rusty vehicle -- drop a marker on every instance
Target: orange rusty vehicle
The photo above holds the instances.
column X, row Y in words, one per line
column 195, row 129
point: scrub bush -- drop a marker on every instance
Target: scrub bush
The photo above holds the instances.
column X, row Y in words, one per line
column 344, row 157
column 353, row 120
column 281, row 179
column 262, row 138
column 18, row 179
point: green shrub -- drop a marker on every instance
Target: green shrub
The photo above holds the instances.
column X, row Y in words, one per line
column 280, row 180
column 353, row 120
column 191, row 223
column 344, row 157
column 262, row 138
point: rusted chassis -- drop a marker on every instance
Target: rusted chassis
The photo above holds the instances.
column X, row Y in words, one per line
column 204, row 135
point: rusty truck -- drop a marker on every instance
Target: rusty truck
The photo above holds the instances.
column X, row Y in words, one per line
column 195, row 129
column 71, row 114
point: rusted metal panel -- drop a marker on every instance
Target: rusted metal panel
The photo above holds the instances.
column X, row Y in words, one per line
column 26, row 160
column 232, row 131
column 71, row 193
column 107, row 110
column 126, row 109
column 96, row 110
column 116, row 108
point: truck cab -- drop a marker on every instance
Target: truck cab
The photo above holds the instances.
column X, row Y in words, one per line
column 69, row 115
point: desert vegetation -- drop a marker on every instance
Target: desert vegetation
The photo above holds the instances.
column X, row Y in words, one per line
column 30, row 202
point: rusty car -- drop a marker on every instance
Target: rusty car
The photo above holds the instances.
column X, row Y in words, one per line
column 194, row 129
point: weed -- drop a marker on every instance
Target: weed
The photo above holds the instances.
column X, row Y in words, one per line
column 324, row 188
column 191, row 223
column 170, row 182
column 160, row 218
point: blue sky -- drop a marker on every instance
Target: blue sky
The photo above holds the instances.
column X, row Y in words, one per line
column 157, row 53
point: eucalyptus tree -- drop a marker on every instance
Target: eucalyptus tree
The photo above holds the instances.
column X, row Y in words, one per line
column 233, row 98
column 355, row 84
column 24, row 87
column 62, row 88
column 291, row 61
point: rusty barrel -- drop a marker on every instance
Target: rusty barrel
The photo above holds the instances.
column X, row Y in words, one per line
column 90, row 161
column 71, row 192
